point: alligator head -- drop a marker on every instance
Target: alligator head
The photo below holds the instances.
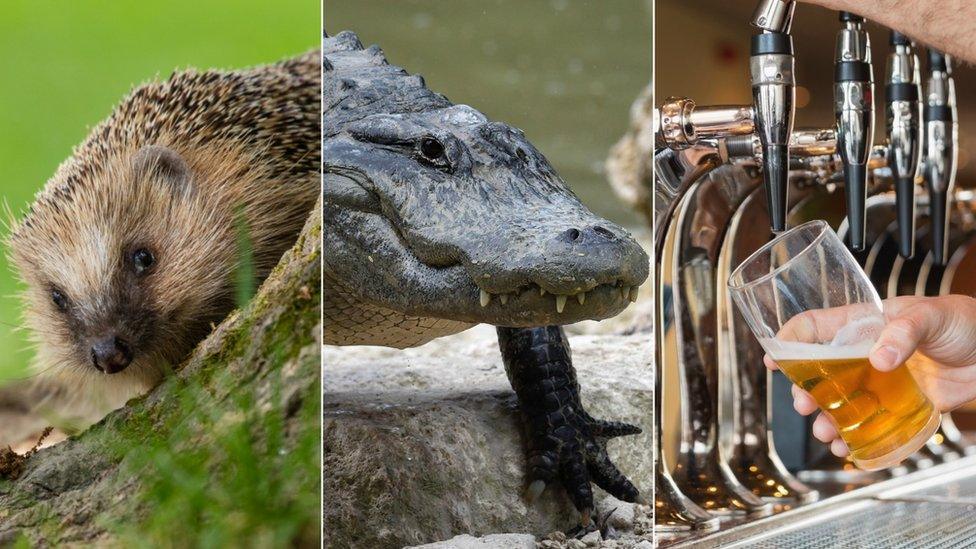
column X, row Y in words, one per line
column 445, row 214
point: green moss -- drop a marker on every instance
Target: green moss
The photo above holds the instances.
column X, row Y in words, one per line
column 229, row 477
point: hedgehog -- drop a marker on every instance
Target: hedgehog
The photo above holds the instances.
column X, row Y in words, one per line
column 129, row 252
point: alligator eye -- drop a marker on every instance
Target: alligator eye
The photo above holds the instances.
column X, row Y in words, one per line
column 431, row 149
column 59, row 299
column 520, row 153
column 142, row 260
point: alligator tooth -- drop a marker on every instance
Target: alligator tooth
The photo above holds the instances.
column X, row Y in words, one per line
column 624, row 292
column 633, row 294
column 485, row 298
column 581, row 297
column 560, row 303
column 541, row 291
column 503, row 298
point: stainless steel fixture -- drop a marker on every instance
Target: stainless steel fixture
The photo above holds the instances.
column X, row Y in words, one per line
column 771, row 67
column 941, row 147
column 725, row 173
column 903, row 115
column 854, row 110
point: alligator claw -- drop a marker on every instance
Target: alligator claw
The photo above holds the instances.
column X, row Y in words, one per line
column 565, row 443
column 534, row 490
column 585, row 526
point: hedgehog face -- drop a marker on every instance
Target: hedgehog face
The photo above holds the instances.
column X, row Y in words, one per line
column 126, row 269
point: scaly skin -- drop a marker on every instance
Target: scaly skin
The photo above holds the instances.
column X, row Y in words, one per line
column 441, row 219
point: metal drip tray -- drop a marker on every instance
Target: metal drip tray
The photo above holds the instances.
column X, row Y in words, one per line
column 889, row 524
column 935, row 507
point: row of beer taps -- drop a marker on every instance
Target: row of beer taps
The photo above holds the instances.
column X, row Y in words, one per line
column 721, row 170
column 921, row 134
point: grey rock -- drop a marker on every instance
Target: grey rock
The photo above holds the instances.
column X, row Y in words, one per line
column 493, row 541
column 424, row 444
column 592, row 539
column 622, row 516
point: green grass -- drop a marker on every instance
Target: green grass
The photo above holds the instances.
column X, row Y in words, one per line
column 66, row 64
column 227, row 479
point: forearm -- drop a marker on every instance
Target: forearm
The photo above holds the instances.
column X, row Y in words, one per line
column 946, row 25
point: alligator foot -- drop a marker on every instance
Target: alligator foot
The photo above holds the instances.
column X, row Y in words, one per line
column 565, row 443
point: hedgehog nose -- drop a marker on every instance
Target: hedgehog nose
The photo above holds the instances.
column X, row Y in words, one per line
column 111, row 354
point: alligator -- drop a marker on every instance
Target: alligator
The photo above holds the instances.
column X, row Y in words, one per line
column 440, row 219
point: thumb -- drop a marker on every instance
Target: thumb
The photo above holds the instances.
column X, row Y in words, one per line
column 904, row 332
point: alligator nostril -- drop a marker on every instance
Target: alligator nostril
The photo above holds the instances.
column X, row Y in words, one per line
column 604, row 232
column 572, row 234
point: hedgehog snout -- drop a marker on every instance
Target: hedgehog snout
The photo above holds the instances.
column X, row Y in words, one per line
column 111, row 354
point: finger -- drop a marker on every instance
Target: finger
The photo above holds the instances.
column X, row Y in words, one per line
column 606, row 475
column 904, row 332
column 824, row 430
column 770, row 363
column 803, row 403
column 838, row 448
column 610, row 429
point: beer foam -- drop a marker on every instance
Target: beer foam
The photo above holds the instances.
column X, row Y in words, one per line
column 853, row 340
column 796, row 350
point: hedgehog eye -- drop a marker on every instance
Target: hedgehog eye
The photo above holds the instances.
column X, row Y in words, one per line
column 59, row 299
column 142, row 260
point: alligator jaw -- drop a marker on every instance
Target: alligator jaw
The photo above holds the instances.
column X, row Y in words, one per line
column 532, row 300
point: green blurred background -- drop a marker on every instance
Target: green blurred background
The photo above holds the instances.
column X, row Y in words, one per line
column 64, row 65
column 565, row 71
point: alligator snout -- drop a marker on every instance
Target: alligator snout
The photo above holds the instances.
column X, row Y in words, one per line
column 589, row 235
column 564, row 272
column 587, row 255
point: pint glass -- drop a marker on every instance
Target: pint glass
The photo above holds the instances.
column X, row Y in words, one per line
column 816, row 314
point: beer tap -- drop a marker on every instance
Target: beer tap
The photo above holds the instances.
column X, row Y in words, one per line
column 854, row 110
column 941, row 152
column 903, row 110
column 771, row 66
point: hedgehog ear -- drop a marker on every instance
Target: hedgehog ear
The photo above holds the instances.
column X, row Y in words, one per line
column 162, row 163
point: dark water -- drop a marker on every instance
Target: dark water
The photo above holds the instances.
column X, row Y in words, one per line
column 564, row 71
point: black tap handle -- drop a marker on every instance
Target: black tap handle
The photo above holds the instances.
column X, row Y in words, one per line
column 905, row 209
column 899, row 39
column 937, row 61
column 897, row 91
column 940, row 195
column 938, row 206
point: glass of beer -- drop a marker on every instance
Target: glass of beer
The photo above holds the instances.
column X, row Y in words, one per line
column 817, row 316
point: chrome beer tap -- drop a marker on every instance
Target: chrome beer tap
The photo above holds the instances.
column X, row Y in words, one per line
column 771, row 66
column 903, row 115
column 941, row 151
column 854, row 110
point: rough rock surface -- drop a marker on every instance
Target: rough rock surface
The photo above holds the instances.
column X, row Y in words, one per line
column 424, row 444
column 71, row 493
column 492, row 541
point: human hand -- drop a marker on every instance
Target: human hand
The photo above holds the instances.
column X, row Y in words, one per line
column 934, row 336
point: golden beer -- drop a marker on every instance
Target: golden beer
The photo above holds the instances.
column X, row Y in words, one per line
column 882, row 416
